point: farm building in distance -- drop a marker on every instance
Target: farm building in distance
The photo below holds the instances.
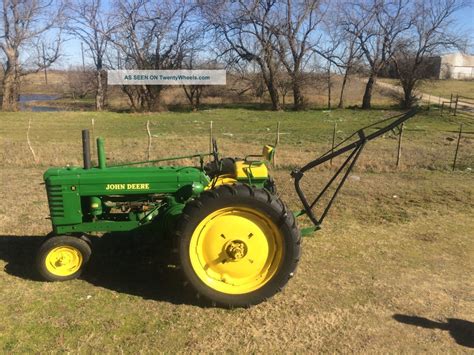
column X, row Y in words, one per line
column 454, row 66
column 458, row 66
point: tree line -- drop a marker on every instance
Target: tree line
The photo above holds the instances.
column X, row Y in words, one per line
column 277, row 40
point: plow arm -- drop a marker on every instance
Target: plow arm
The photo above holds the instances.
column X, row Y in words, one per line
column 355, row 148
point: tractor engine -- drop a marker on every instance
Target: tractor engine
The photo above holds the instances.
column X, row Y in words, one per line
column 120, row 198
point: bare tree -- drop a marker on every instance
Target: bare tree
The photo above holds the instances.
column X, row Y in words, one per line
column 285, row 85
column 341, row 49
column 193, row 60
column 247, row 30
column 376, row 25
column 23, row 25
column 297, row 22
column 347, row 61
column 329, row 83
column 80, row 83
column 193, row 92
column 87, row 20
column 433, row 30
column 152, row 35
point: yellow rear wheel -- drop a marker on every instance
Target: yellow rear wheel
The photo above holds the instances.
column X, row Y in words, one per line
column 62, row 258
column 236, row 250
column 238, row 245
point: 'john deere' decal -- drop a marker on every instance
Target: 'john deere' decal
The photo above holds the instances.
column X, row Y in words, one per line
column 127, row 187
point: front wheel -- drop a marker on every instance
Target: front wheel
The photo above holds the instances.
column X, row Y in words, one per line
column 62, row 258
column 238, row 245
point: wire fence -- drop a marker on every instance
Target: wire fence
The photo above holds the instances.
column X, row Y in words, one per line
column 417, row 144
column 458, row 105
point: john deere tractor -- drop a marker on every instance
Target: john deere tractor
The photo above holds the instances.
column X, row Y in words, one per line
column 237, row 241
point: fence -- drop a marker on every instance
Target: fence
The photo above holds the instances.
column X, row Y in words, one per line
column 450, row 144
column 458, row 105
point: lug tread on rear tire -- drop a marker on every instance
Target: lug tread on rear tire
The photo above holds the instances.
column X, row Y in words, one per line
column 239, row 195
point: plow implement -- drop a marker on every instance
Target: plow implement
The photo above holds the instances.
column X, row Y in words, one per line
column 354, row 144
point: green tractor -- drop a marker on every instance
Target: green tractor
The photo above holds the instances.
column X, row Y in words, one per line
column 238, row 243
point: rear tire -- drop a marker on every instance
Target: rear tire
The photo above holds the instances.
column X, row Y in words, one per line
column 238, row 245
column 62, row 258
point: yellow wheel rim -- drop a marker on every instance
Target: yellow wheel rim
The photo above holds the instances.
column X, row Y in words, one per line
column 236, row 250
column 63, row 261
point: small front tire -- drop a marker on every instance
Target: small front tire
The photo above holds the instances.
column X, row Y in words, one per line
column 62, row 258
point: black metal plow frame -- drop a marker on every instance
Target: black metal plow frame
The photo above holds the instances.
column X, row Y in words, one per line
column 355, row 149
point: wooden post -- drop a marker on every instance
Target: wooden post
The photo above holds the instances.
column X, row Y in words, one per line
column 277, row 141
column 333, row 140
column 29, row 143
column 457, row 147
column 450, row 102
column 149, row 139
column 210, row 137
column 399, row 150
column 456, row 104
column 442, row 108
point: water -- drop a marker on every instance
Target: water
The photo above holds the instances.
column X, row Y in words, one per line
column 30, row 99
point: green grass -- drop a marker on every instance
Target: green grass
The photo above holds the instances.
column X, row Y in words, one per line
column 306, row 126
column 397, row 242
column 444, row 88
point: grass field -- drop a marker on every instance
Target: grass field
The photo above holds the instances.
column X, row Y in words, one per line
column 391, row 270
column 442, row 88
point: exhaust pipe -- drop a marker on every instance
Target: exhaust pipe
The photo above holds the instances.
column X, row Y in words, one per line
column 86, row 149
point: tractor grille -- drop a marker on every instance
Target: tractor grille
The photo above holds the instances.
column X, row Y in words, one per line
column 55, row 200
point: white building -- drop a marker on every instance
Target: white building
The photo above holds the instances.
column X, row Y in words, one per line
column 456, row 66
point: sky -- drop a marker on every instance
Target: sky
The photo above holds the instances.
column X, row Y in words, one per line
column 72, row 47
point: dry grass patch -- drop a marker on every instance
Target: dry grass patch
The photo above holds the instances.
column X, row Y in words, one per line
column 397, row 245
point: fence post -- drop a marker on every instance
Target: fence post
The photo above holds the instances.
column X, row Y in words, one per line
column 457, row 147
column 333, row 140
column 29, row 143
column 210, row 137
column 442, row 108
column 277, row 141
column 456, row 104
column 450, row 102
column 399, row 150
column 149, row 139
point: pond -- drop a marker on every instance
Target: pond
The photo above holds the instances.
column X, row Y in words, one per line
column 27, row 103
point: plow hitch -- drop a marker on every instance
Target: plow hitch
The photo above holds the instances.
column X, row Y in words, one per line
column 354, row 144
